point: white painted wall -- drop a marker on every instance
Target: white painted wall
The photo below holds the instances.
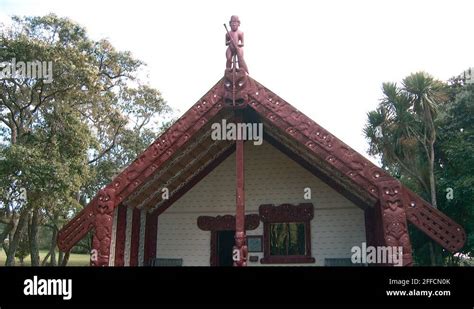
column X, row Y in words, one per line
column 270, row 177
column 113, row 239
column 128, row 236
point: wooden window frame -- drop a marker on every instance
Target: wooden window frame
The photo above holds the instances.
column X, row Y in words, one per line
column 286, row 213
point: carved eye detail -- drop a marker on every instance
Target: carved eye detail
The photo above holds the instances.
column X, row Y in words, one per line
column 227, row 84
column 241, row 84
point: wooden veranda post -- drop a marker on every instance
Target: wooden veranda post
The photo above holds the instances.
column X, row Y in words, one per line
column 240, row 248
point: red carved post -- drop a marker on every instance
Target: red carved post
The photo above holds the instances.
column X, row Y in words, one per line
column 240, row 242
column 120, row 235
column 151, row 231
column 394, row 220
column 103, row 227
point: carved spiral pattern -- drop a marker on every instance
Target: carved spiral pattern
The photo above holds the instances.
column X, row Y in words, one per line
column 95, row 214
column 359, row 170
column 297, row 125
column 394, row 218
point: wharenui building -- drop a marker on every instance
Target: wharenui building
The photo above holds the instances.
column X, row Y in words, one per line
column 243, row 178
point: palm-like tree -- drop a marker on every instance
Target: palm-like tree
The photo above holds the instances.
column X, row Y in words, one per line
column 392, row 130
column 426, row 94
column 402, row 130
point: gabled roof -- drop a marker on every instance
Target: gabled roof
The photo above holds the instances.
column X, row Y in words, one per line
column 185, row 153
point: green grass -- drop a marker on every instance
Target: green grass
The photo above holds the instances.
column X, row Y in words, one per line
column 74, row 259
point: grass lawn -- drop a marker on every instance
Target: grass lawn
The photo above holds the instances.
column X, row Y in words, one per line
column 74, row 259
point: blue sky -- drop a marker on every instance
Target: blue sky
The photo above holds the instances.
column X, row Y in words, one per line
column 327, row 58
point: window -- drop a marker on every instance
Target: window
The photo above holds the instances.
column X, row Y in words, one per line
column 287, row 235
column 287, row 239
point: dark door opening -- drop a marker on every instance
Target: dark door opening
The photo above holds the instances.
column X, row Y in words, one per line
column 225, row 244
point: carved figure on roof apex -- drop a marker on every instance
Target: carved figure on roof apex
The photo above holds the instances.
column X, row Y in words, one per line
column 234, row 39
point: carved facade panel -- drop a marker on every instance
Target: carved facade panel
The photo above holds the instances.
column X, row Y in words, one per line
column 361, row 171
column 103, row 227
column 434, row 223
column 286, row 213
column 300, row 128
column 137, row 172
column 393, row 217
column 226, row 222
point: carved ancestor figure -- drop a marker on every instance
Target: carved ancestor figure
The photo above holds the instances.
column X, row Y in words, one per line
column 241, row 248
column 235, row 40
column 103, row 227
column 394, row 221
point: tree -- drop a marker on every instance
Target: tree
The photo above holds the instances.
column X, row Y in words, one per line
column 63, row 140
column 426, row 95
column 455, row 169
column 403, row 132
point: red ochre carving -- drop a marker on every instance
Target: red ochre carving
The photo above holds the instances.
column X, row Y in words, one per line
column 347, row 161
column 103, row 226
column 144, row 166
column 226, row 222
column 288, row 120
column 286, row 212
column 393, row 218
column 237, row 88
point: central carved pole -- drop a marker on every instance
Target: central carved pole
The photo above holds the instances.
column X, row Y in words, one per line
column 240, row 249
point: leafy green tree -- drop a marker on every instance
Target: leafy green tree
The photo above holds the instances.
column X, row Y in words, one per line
column 396, row 131
column 402, row 131
column 62, row 141
column 23, row 249
column 455, row 171
column 427, row 95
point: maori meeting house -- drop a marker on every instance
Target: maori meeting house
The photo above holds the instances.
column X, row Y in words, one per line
column 298, row 196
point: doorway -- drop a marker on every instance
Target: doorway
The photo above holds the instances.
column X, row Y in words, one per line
column 225, row 244
column 222, row 230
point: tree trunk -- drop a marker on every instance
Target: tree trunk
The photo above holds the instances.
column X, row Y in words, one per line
column 432, row 176
column 435, row 253
column 431, row 246
column 45, row 259
column 22, row 222
column 65, row 259
column 33, row 238
column 52, row 250
column 6, row 231
column 14, row 133
column 60, row 257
